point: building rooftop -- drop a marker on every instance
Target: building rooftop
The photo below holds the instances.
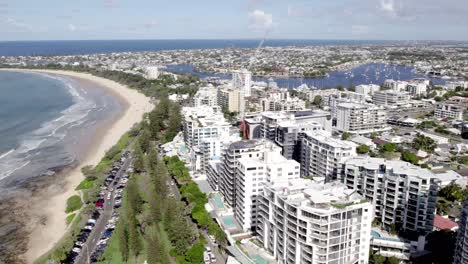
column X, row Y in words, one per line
column 443, row 223
column 398, row 166
column 243, row 144
column 317, row 195
column 325, row 137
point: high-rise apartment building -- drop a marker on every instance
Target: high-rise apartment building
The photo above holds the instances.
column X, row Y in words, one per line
column 391, row 98
column 403, row 195
column 206, row 96
column 201, row 123
column 321, row 154
column 242, row 80
column 356, row 118
column 226, row 176
column 450, row 110
column 306, row 222
column 252, row 173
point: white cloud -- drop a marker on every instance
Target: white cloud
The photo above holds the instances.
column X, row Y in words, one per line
column 260, row 21
column 71, row 27
column 388, row 6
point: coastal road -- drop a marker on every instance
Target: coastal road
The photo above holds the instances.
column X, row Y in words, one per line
column 106, row 214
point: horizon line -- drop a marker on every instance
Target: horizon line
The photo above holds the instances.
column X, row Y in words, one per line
column 233, row 39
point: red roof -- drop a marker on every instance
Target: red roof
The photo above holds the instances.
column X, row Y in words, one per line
column 443, row 223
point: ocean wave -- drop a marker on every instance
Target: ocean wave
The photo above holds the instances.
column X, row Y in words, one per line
column 50, row 133
column 3, row 155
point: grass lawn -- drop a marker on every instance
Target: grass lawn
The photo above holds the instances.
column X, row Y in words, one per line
column 73, row 203
column 85, row 184
column 70, row 218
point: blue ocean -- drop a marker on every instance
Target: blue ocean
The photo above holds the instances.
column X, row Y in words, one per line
column 74, row 47
column 42, row 117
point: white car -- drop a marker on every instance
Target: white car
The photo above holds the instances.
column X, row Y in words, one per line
column 76, row 250
column 88, row 227
column 103, row 241
column 108, row 195
column 79, row 244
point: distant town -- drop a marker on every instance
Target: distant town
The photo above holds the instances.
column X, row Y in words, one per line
column 375, row 172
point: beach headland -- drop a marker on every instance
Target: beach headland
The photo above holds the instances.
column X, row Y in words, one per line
column 41, row 205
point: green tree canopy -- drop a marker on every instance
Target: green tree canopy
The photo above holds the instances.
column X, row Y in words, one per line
column 389, row 147
column 362, row 149
column 345, row 136
column 409, row 156
column 422, row 142
column 317, row 100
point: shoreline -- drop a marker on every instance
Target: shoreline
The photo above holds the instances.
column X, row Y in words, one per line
column 51, row 210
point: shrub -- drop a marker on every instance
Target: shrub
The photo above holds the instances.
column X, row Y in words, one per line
column 73, row 203
column 70, row 218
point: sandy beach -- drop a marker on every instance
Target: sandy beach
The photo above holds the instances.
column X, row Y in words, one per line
column 50, row 209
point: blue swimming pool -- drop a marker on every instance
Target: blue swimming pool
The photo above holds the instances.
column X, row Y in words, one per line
column 375, row 234
column 259, row 260
column 228, row 222
column 218, row 201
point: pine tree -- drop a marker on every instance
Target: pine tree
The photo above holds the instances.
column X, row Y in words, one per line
column 123, row 239
column 138, row 160
column 134, row 242
column 153, row 251
column 153, row 158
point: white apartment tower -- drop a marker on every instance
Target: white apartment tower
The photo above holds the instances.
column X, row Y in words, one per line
column 356, row 118
column 152, row 72
column 367, row 89
column 321, row 154
column 226, row 173
column 403, row 195
column 450, row 110
column 306, row 222
column 242, row 80
column 252, row 174
column 391, row 98
column 206, row 96
column 203, row 122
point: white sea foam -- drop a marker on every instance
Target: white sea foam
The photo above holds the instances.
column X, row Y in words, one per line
column 50, row 132
column 3, row 155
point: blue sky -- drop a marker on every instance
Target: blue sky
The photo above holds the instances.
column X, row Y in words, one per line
column 221, row 19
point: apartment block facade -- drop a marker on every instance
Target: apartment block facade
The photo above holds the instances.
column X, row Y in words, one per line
column 252, row 174
column 356, row 118
column 403, row 195
column 203, row 122
column 227, row 172
column 321, row 154
column 450, row 110
column 306, row 222
column 391, row 98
